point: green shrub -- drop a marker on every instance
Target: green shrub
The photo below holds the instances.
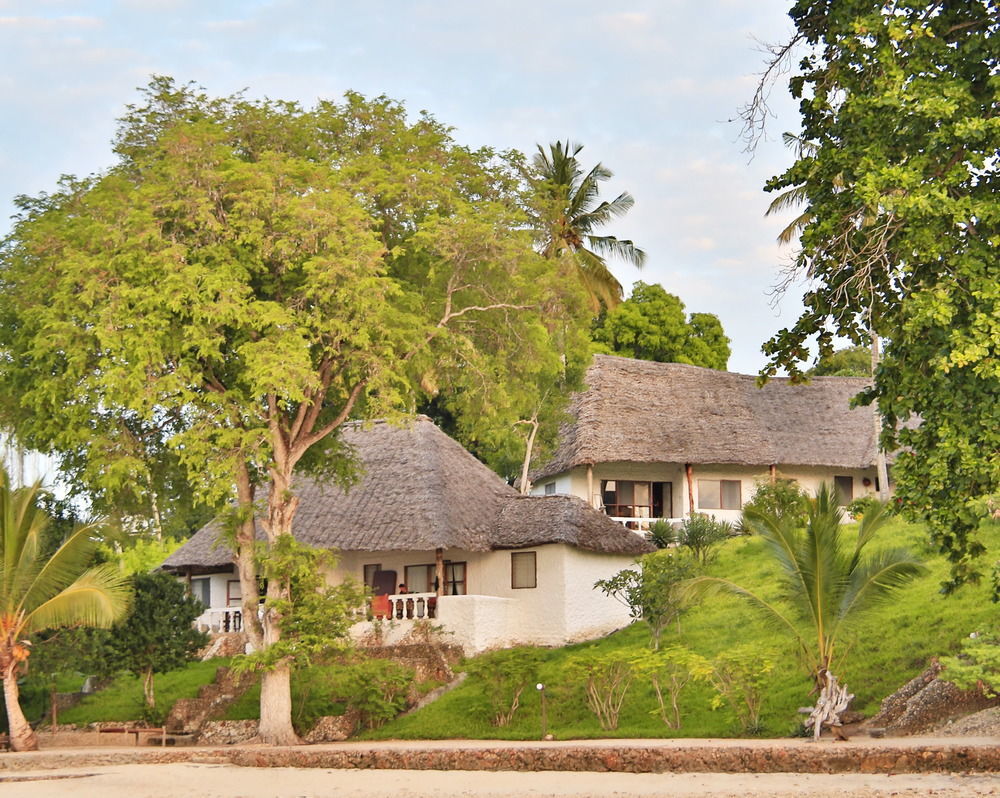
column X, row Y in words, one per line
column 670, row 670
column 857, row 508
column 782, row 498
column 662, row 534
column 505, row 675
column 377, row 689
column 739, row 677
column 606, row 678
column 701, row 534
column 977, row 667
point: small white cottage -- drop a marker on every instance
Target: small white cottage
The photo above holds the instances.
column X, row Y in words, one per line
column 665, row 440
column 491, row 567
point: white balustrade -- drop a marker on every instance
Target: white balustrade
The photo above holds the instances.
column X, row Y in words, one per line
column 642, row 524
column 220, row 619
column 412, row 606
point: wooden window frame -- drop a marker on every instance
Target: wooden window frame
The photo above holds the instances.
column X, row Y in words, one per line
column 431, row 567
column 229, row 594
column 534, row 569
column 375, row 566
column 719, row 497
column 449, row 582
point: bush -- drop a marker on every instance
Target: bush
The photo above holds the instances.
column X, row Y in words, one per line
column 739, row 677
column 782, row 498
column 977, row 667
column 377, row 688
column 606, row 678
column 662, row 534
column 857, row 508
column 701, row 534
column 670, row 671
column 505, row 676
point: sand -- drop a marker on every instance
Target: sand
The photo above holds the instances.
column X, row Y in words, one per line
column 188, row 780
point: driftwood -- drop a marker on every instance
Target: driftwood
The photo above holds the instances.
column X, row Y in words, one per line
column 832, row 701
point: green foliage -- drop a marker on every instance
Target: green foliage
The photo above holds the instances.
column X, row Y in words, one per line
column 650, row 325
column 827, row 580
column 702, row 534
column 863, row 504
column 378, row 689
column 655, row 591
column 606, row 679
column 139, row 555
column 157, row 636
column 670, row 670
column 977, row 667
column 505, row 675
column 741, row 677
column 854, row 361
column 783, row 499
column 565, row 214
column 899, row 111
column 315, row 616
column 925, row 624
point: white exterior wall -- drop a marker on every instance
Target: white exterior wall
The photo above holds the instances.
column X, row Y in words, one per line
column 808, row 477
column 217, row 587
column 588, row 612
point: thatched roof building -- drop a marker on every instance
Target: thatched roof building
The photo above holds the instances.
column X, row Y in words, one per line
column 644, row 412
column 419, row 490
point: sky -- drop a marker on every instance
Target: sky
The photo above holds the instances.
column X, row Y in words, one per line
column 648, row 87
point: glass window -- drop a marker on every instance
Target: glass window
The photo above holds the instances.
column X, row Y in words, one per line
column 454, row 579
column 234, row 593
column 550, row 488
column 420, row 578
column 370, row 570
column 522, row 570
column 845, row 489
column 201, row 589
column 719, row 494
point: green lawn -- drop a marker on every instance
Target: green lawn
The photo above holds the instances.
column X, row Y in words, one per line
column 890, row 646
column 123, row 699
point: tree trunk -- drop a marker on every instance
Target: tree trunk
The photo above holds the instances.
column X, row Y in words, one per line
column 54, row 707
column 22, row 738
column 276, row 707
column 881, row 469
column 276, row 687
column 246, row 567
column 525, row 482
column 147, row 688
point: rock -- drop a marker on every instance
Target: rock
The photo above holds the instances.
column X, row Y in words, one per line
column 333, row 728
column 227, row 732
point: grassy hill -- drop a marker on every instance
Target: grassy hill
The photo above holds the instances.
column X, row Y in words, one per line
column 891, row 645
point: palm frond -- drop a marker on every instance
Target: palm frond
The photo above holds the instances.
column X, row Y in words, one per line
column 875, row 517
column 598, row 281
column 98, row 597
column 791, row 198
column 874, row 582
column 62, row 567
column 605, row 212
column 794, row 227
column 622, row 249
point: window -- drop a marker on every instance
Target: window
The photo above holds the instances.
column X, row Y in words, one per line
column 454, row 579
column 234, row 593
column 201, row 589
column 550, row 488
column 420, row 578
column 522, row 570
column 845, row 489
column 719, row 494
column 370, row 570
column 628, row 499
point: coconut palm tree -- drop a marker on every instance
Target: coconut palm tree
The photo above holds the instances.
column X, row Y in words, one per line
column 567, row 213
column 827, row 580
column 38, row 593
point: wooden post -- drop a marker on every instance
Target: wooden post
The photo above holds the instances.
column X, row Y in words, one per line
column 774, row 473
column 439, row 570
column 590, row 485
column 690, row 480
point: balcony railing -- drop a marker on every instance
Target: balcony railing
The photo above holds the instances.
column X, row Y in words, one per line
column 413, row 606
column 220, row 619
column 642, row 524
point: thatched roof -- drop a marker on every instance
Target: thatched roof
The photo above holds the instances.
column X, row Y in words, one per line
column 644, row 412
column 420, row 490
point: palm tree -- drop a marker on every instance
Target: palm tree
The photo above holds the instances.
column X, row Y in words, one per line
column 567, row 214
column 827, row 580
column 38, row 593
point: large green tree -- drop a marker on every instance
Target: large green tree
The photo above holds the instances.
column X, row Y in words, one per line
column 900, row 107
column 567, row 213
column 249, row 276
column 651, row 325
column 45, row 592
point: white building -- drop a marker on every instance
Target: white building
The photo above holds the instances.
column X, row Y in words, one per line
column 665, row 440
column 491, row 567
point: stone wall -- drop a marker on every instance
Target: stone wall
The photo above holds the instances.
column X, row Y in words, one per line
column 227, row 732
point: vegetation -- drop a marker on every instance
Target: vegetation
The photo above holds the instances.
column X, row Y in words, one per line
column 853, row 361
column 249, row 275
column 670, row 670
column 45, row 593
column 741, row 677
column 651, row 325
column 566, row 214
column 655, row 591
column 827, row 582
column 899, row 173
column 782, row 498
column 157, row 636
column 922, row 623
column 505, row 675
column 701, row 535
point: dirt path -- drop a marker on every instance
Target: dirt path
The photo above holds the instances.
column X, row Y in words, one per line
column 227, row 781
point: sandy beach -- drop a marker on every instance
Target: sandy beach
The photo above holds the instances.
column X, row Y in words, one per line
column 228, row 781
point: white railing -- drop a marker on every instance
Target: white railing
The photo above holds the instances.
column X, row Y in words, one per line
column 412, row 606
column 642, row 524
column 220, row 619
